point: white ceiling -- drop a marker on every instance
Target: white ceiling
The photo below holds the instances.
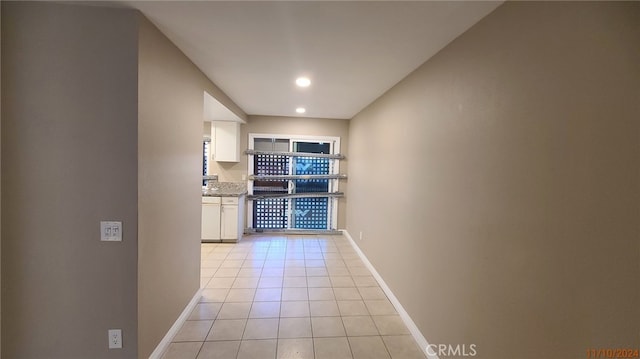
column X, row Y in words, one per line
column 353, row 51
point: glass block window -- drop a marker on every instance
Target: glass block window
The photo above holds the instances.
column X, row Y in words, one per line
column 271, row 165
column 300, row 212
column 310, row 213
column 312, row 166
column 270, row 214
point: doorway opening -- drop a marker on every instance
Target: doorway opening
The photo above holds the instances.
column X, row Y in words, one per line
column 294, row 183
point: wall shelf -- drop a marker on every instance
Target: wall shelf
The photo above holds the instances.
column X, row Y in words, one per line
column 294, row 177
column 337, row 156
column 296, row 195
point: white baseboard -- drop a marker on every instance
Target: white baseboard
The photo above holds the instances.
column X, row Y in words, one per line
column 164, row 343
column 413, row 329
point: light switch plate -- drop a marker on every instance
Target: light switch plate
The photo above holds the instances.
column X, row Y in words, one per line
column 111, row 231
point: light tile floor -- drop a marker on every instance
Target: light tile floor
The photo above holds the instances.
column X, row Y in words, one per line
column 290, row 297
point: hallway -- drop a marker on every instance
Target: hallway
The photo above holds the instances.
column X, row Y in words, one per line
column 290, row 297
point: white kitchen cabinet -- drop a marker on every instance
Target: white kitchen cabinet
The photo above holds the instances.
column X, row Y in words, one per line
column 227, row 220
column 211, row 218
column 232, row 218
column 226, row 137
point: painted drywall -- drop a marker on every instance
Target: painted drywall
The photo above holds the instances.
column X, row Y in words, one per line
column 69, row 145
column 233, row 172
column 224, row 100
column 0, row 193
column 497, row 186
column 206, row 129
column 171, row 104
column 90, row 133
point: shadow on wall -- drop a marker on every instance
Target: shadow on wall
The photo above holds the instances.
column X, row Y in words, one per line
column 513, row 158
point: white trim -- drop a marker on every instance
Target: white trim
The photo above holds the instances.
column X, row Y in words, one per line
column 415, row 332
column 164, row 343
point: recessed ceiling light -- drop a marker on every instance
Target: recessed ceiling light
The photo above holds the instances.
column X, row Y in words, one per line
column 303, row 82
column 301, row 110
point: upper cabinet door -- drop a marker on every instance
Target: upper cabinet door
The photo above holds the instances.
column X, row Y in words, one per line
column 226, row 135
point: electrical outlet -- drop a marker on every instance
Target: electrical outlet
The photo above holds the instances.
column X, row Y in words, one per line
column 115, row 338
column 111, row 231
column 360, row 235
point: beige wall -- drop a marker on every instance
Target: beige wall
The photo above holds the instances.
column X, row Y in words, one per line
column 0, row 194
column 169, row 184
column 90, row 133
column 233, row 172
column 206, row 129
column 69, row 138
column 497, row 187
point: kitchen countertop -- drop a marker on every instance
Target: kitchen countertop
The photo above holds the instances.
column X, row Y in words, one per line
column 226, row 189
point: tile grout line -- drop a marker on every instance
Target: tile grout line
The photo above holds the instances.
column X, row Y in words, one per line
column 342, row 321
column 279, row 311
column 308, row 250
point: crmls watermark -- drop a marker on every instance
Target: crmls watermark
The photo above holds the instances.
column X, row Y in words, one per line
column 446, row 350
